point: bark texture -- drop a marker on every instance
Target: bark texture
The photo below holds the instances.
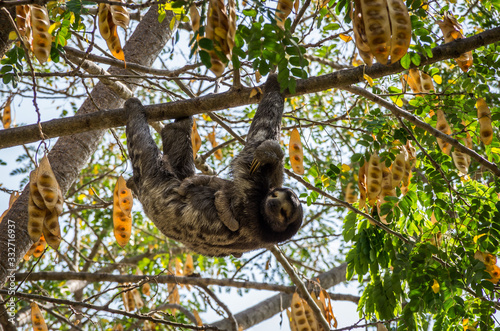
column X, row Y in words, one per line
column 70, row 154
column 5, row 29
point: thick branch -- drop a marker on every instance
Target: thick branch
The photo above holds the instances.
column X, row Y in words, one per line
column 233, row 98
column 398, row 112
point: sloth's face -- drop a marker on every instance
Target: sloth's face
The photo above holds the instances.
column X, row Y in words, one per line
column 282, row 208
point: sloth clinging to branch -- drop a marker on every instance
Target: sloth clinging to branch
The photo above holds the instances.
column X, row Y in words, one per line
column 211, row 215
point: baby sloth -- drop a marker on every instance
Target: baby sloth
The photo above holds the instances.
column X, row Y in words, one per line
column 210, row 215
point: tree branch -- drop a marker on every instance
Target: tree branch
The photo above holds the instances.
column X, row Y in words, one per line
column 114, row 117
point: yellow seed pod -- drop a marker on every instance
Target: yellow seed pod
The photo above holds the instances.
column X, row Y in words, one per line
column 360, row 34
column 37, row 318
column 293, row 324
column 427, row 83
column 484, row 117
column 51, row 222
column 298, row 313
column 362, row 185
column 443, row 126
column 407, row 171
column 311, row 320
column 451, row 30
column 377, row 27
column 460, row 161
column 120, row 16
column 125, row 198
column 416, row 78
column 296, row 152
column 36, row 216
column 23, row 22
column 282, row 11
column 114, row 44
column 349, row 194
column 415, row 87
column 146, row 289
column 217, row 27
column 34, row 192
column 42, row 40
column 129, row 298
column 47, row 184
column 137, row 298
column 58, row 208
column 39, row 246
column 189, row 265
column 52, row 239
column 7, row 116
column 398, row 169
column 387, row 185
column 122, row 223
column 401, row 29
column 195, row 139
column 103, row 21
column 118, row 327
column 231, row 32
column 374, row 178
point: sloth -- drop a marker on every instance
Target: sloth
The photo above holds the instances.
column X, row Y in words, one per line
column 210, row 215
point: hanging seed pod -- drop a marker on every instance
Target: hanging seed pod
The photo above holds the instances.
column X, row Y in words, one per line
column 231, row 32
column 298, row 313
column 374, row 178
column 360, row 34
column 414, row 86
column 52, row 239
column 398, row 169
column 377, row 28
column 40, row 247
column 213, row 141
column 291, row 320
column 460, row 162
column 484, row 117
column 137, row 298
column 296, row 152
column 362, row 184
column 120, row 16
column 427, row 84
column 195, row 139
column 311, row 320
column 37, row 318
column 23, row 22
column 452, row 30
column 195, row 17
column 47, row 184
column 34, row 192
column 58, row 208
column 103, row 14
column 6, row 116
column 401, row 29
column 114, row 44
column 122, row 222
column 407, row 171
column 189, row 265
column 216, row 30
column 51, row 222
column 387, row 189
column 125, row 198
column 42, row 40
column 416, row 77
column 349, row 194
column 282, row 11
column 443, row 126
column 36, row 216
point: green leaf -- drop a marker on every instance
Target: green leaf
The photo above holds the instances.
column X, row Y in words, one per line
column 406, row 61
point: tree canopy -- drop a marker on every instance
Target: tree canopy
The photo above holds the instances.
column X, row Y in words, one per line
column 395, row 154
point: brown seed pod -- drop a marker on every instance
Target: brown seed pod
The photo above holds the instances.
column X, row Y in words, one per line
column 40, row 247
column 23, row 22
column 36, row 216
column 114, row 44
column 103, row 14
column 377, row 26
column 360, row 34
column 398, row 169
column 443, row 126
column 34, row 192
column 427, row 84
column 460, row 161
column 7, row 116
column 37, row 318
column 484, row 117
column 349, row 194
column 452, row 30
column 195, row 139
column 42, row 40
column 51, row 222
column 231, row 32
column 282, row 11
column 52, row 239
column 298, row 313
column 296, row 152
column 189, row 265
column 47, row 184
column 120, row 16
column 362, row 184
column 401, row 29
column 374, row 178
